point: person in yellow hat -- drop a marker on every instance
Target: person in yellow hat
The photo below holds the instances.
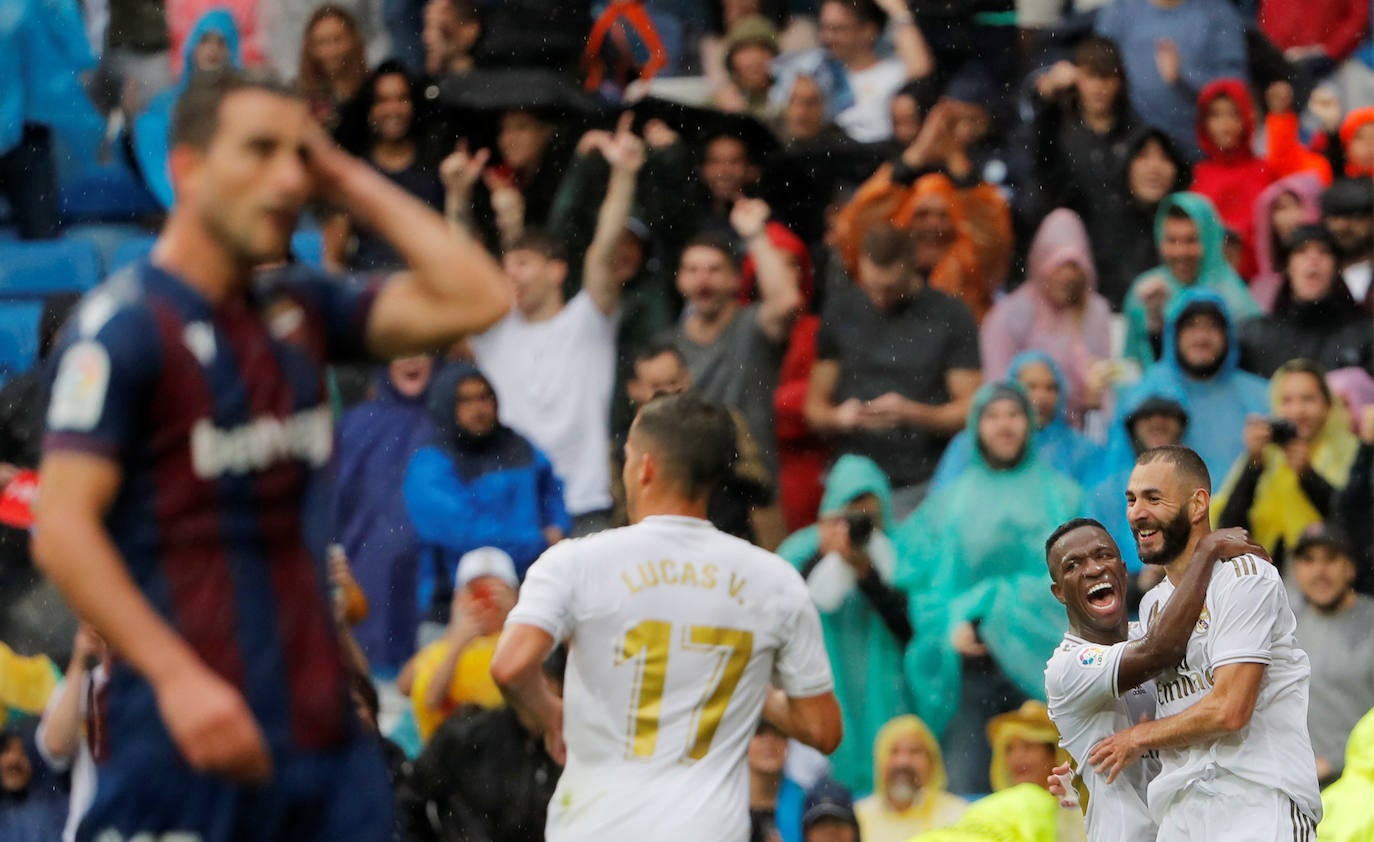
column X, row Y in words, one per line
column 909, row 782
column 1025, row 747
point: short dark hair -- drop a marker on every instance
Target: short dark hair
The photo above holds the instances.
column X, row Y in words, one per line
column 1099, row 56
column 655, row 348
column 865, row 10
column 195, row 120
column 1071, row 526
column 693, row 438
column 715, row 243
column 1184, row 459
column 886, row 245
column 540, row 242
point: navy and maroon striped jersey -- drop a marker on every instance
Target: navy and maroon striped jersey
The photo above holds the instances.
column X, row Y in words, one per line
column 219, row 420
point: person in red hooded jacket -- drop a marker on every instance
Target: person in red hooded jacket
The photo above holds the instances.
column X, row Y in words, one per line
column 1231, row 175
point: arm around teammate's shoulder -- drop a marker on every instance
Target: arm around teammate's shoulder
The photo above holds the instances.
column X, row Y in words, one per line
column 1167, row 641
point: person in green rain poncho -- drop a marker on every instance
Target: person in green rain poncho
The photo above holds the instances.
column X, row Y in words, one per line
column 863, row 617
column 1192, row 246
column 971, row 564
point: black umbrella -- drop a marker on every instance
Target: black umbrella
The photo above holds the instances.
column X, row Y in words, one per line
column 551, row 94
column 697, row 125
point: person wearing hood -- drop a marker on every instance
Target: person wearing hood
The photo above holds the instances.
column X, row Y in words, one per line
column 1295, row 462
column 1057, row 312
column 1022, row 813
column 1281, row 209
column 1201, row 361
column 1346, row 816
column 1230, row 173
column 848, row 560
column 377, row 440
column 1153, row 168
column 1147, row 419
column 33, row 805
column 481, row 484
column 1314, row 317
column 909, row 785
column 212, row 45
column 1059, row 445
column 1191, row 242
column 976, row 582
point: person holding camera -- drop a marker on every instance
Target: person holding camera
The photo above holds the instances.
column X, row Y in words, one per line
column 1294, row 464
column 848, row 560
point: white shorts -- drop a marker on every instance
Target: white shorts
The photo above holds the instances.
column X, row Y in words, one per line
column 1234, row 810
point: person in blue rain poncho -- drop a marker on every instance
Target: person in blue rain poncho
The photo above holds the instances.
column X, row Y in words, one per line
column 863, row 617
column 212, row 45
column 377, row 439
column 481, row 484
column 972, row 566
column 1059, row 445
column 1201, row 361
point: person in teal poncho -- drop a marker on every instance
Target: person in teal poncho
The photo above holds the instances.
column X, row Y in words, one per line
column 972, row 565
column 863, row 617
column 212, row 45
column 1191, row 242
column 1060, row 446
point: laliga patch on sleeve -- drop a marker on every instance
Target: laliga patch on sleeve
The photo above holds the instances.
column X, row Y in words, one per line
column 1091, row 657
column 78, row 393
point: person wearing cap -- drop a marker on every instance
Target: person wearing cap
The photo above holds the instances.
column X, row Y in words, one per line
column 909, row 782
column 480, row 484
column 1201, row 362
column 1295, row 462
column 751, row 45
column 1334, row 625
column 455, row 671
column 830, row 820
column 1314, row 316
column 1348, row 212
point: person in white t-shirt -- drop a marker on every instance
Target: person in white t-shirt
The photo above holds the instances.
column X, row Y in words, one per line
column 551, row 362
column 1236, row 762
column 859, row 84
column 1099, row 680
column 679, row 638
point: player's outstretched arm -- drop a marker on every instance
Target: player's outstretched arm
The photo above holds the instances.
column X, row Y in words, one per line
column 1167, row 641
column 813, row 720
column 207, row 717
column 1225, row 709
column 454, row 287
column 517, row 668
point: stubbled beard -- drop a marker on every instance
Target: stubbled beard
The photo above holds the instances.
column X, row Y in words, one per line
column 1175, row 536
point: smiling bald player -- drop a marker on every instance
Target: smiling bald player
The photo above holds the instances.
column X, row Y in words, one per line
column 1099, row 680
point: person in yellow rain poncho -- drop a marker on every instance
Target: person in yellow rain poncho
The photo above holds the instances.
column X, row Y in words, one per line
column 1348, row 804
column 1023, row 813
column 909, row 785
column 26, row 682
column 1293, row 464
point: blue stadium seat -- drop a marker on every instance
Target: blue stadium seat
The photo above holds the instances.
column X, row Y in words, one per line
column 18, row 336
column 34, row 269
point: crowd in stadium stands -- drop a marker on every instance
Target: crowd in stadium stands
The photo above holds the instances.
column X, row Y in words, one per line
column 950, row 264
